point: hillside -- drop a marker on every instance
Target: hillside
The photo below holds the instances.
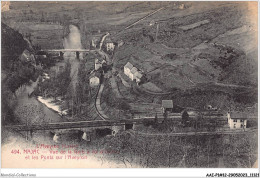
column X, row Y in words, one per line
column 18, row 68
column 193, row 46
column 12, row 45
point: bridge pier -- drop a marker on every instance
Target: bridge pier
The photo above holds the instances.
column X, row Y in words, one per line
column 28, row 136
column 86, row 136
column 77, row 54
column 61, row 54
column 56, row 137
column 31, row 133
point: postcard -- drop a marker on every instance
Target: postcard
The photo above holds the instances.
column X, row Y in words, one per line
column 129, row 84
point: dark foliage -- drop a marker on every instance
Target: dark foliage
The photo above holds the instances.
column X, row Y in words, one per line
column 15, row 71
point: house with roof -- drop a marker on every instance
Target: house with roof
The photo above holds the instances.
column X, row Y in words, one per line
column 110, row 46
column 94, row 79
column 133, row 73
column 127, row 69
column 99, row 63
column 237, row 120
column 167, row 105
column 138, row 76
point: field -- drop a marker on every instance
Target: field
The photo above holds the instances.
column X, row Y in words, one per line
column 194, row 25
column 202, row 43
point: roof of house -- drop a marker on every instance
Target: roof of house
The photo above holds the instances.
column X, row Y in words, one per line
column 167, row 103
column 100, row 60
column 108, row 40
column 97, row 60
column 238, row 115
column 138, row 74
column 134, row 70
column 129, row 65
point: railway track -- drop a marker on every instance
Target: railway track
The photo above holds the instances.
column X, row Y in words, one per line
column 98, row 103
column 194, row 133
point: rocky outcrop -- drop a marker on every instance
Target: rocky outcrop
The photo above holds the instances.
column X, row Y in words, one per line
column 18, row 68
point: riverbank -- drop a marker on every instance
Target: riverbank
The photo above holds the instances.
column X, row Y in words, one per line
column 53, row 105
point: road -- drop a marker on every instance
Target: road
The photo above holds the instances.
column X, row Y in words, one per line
column 67, row 50
column 98, row 108
column 129, row 26
column 136, row 22
column 102, row 41
column 76, row 125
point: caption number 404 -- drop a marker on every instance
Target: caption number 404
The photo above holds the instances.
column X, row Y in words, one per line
column 15, row 152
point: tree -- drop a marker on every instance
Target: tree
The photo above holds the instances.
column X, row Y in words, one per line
column 185, row 118
column 123, row 105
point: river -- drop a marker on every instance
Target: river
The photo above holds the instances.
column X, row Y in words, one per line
column 73, row 41
column 32, row 111
column 38, row 113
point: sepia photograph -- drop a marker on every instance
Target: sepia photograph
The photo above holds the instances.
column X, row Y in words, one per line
column 129, row 84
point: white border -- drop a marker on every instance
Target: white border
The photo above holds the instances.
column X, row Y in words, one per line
column 130, row 172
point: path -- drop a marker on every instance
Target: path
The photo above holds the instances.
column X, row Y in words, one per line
column 103, row 39
column 129, row 26
column 98, row 108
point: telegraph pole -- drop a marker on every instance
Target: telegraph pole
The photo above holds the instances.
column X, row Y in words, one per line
column 157, row 30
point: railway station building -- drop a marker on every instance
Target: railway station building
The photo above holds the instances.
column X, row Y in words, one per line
column 167, row 105
column 133, row 73
column 237, row 120
column 110, row 45
column 94, row 79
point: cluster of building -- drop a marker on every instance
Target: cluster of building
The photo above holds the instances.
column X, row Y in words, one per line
column 236, row 120
column 100, row 64
column 95, row 76
column 133, row 73
column 96, row 41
